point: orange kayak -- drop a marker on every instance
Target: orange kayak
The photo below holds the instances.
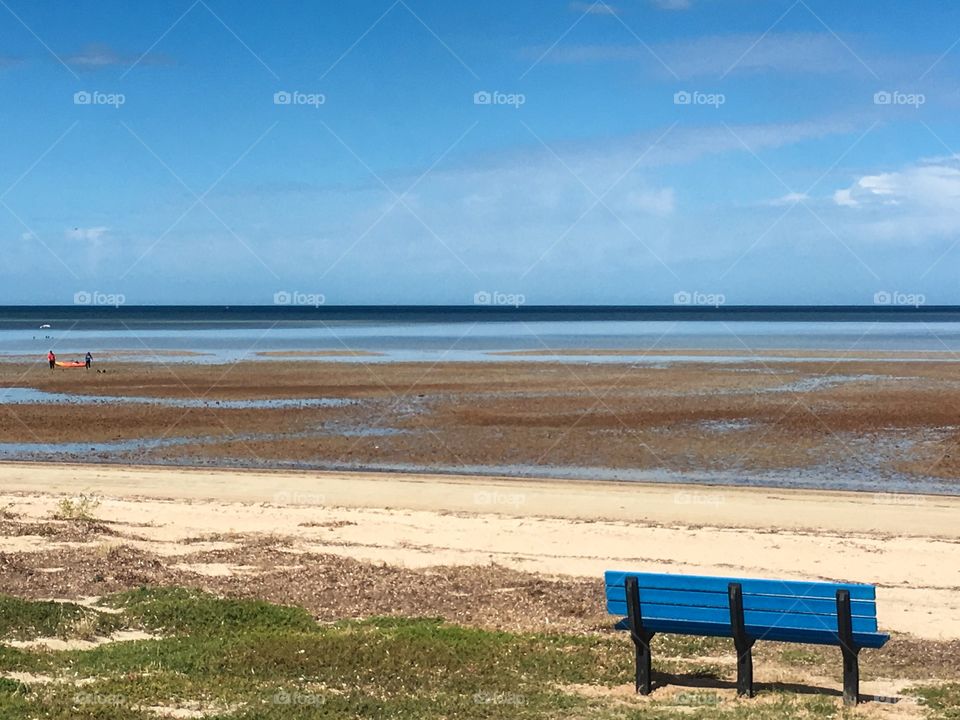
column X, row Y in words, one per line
column 71, row 363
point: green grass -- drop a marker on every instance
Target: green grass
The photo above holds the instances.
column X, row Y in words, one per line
column 27, row 620
column 942, row 701
column 250, row 660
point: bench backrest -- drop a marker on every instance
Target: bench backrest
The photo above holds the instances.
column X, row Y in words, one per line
column 789, row 610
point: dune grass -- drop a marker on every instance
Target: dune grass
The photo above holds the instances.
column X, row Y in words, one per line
column 246, row 660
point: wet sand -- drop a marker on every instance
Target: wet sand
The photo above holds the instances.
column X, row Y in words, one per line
column 875, row 425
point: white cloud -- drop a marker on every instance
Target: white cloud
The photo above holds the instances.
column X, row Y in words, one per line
column 99, row 55
column 918, row 203
column 791, row 198
column 844, row 198
column 715, row 55
column 933, row 186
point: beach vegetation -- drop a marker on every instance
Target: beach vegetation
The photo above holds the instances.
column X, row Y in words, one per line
column 79, row 509
column 245, row 659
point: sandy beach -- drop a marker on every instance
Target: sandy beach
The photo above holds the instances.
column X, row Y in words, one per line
column 905, row 544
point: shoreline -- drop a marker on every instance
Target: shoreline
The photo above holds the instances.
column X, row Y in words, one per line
column 553, row 529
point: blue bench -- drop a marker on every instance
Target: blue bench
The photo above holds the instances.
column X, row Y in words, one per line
column 746, row 610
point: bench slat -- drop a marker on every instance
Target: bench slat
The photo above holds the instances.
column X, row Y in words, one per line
column 867, row 640
column 754, row 618
column 751, row 586
column 775, row 603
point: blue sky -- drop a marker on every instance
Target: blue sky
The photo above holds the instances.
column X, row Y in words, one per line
column 569, row 152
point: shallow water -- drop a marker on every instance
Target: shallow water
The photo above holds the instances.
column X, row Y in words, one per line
column 32, row 396
column 468, row 341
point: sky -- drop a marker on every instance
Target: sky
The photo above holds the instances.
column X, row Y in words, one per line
column 505, row 152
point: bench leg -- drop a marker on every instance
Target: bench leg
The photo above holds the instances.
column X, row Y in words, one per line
column 641, row 638
column 851, row 662
column 745, row 670
column 642, row 645
column 851, row 677
column 741, row 641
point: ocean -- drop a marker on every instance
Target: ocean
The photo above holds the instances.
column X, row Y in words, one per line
column 481, row 333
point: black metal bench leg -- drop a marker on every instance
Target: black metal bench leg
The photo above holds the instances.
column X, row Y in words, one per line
column 851, row 661
column 741, row 641
column 641, row 638
column 851, row 678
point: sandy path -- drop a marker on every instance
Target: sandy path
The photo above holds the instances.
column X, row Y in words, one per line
column 907, row 545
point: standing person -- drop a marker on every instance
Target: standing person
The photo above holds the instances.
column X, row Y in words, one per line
column 88, row 359
column 52, row 359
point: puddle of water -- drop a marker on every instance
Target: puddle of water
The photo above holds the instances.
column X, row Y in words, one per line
column 32, row 396
column 723, row 426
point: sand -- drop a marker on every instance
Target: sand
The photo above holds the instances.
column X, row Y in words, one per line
column 905, row 544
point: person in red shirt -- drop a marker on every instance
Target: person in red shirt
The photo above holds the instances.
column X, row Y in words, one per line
column 52, row 358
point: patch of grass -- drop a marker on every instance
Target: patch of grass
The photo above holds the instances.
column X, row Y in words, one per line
column 194, row 612
column 690, row 646
column 12, row 687
column 80, row 509
column 942, row 701
column 250, row 660
column 30, row 619
column 800, row 656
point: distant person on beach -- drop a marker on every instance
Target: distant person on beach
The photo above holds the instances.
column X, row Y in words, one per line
column 88, row 358
column 52, row 358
